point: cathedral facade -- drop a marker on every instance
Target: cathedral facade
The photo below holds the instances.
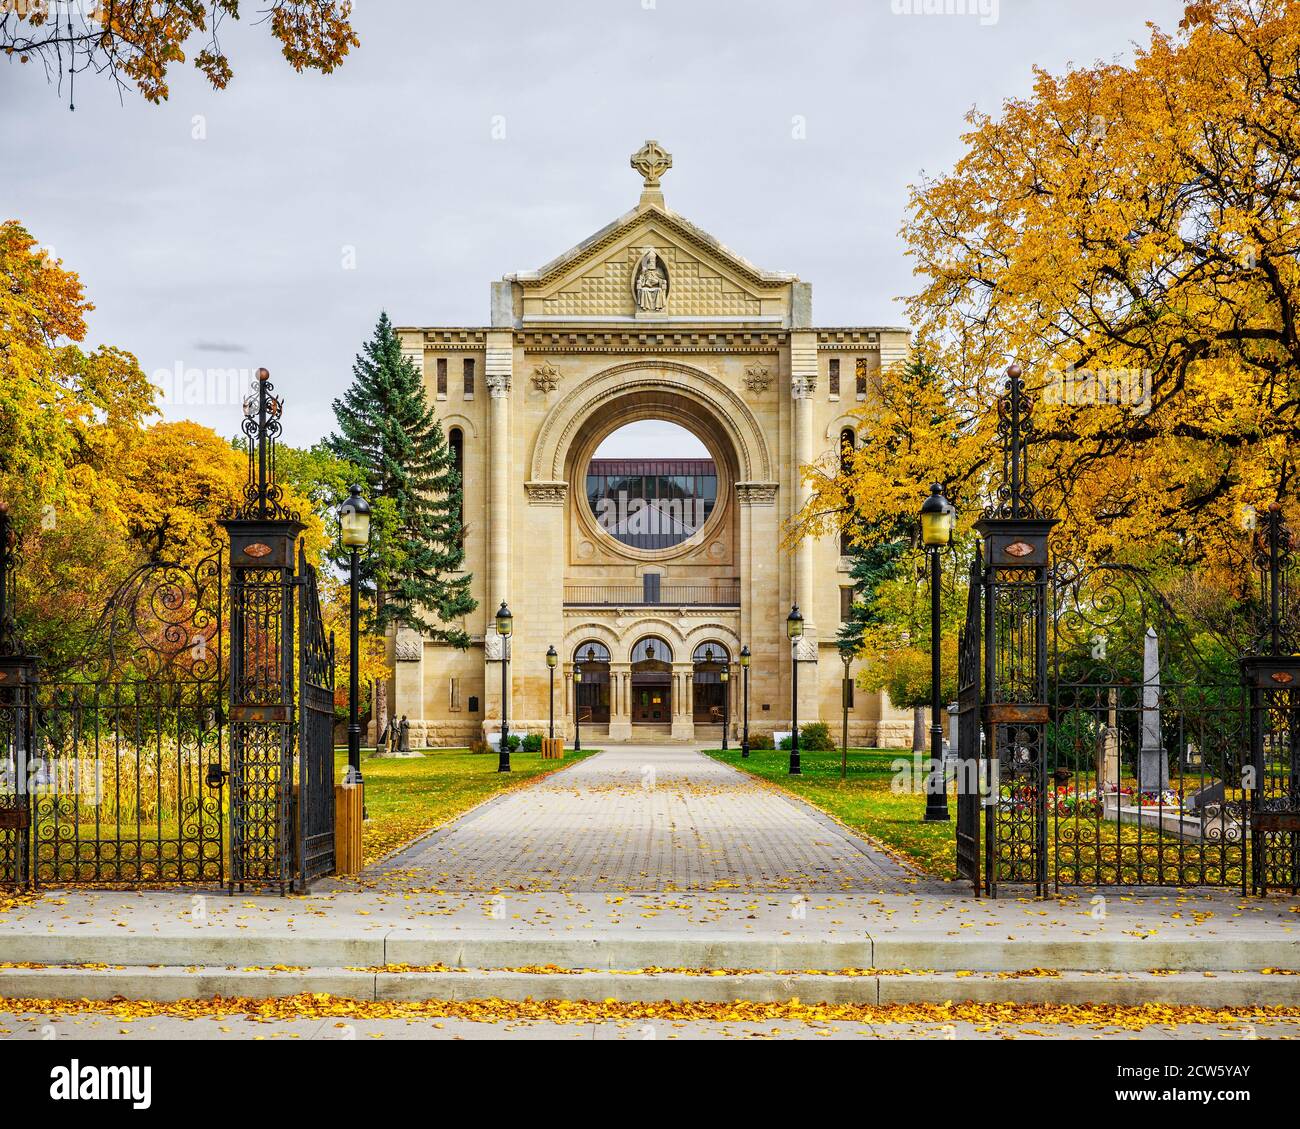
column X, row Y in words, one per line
column 649, row 575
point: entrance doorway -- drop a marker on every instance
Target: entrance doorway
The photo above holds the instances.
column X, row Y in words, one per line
column 709, row 691
column 652, row 687
column 592, row 659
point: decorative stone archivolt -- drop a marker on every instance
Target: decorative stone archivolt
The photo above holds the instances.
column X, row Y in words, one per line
column 731, row 415
column 546, row 493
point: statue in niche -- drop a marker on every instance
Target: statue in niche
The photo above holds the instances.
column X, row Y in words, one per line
column 650, row 283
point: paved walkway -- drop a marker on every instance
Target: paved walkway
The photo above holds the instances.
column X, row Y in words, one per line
column 643, row 819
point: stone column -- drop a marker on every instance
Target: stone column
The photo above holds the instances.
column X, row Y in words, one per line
column 683, row 718
column 803, row 383
column 499, row 380
column 620, row 712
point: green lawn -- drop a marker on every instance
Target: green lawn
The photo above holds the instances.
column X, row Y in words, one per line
column 407, row 796
column 865, row 801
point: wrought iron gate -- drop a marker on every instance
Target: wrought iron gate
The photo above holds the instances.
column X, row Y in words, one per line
column 315, row 731
column 1118, row 745
column 970, row 730
column 1147, row 742
column 115, row 770
column 112, row 762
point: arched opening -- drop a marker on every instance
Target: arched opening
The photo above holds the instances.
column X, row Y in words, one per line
column 848, row 442
column 651, row 484
column 652, row 682
column 592, row 693
column 456, row 445
column 709, row 692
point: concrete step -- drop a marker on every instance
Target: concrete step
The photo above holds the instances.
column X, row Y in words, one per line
column 1228, row 989
column 213, row 946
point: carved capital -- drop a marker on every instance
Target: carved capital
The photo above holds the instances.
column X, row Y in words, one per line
column 805, row 647
column 408, row 647
column 756, row 493
column 802, row 387
column 546, row 493
column 498, row 384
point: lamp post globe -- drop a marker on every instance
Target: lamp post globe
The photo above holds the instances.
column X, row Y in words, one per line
column 794, row 632
column 937, row 518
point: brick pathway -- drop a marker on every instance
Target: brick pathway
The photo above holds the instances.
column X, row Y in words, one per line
column 643, row 819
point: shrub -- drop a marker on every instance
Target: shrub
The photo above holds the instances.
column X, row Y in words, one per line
column 513, row 742
column 480, row 746
column 532, row 743
column 760, row 741
column 816, row 736
column 787, row 744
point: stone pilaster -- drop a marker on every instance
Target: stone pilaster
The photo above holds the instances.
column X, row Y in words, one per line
column 620, row 701
column 683, row 701
column 499, row 373
column 803, row 383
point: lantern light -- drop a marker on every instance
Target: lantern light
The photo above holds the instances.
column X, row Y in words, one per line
column 354, row 520
column 937, row 519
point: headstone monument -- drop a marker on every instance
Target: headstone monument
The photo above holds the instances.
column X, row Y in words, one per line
column 1153, row 765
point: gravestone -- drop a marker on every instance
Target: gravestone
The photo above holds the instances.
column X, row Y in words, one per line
column 1153, row 765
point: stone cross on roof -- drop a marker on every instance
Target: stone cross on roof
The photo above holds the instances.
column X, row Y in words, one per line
column 652, row 160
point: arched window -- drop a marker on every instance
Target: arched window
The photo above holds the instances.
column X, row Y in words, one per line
column 709, row 691
column 592, row 651
column 592, row 693
column 456, row 444
column 652, row 649
column 848, row 443
column 710, row 652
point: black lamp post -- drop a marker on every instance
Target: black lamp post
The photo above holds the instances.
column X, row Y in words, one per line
column 847, row 658
column 744, row 669
column 505, row 625
column 794, row 630
column 552, row 657
column 937, row 519
column 724, row 676
column 577, row 715
column 354, row 533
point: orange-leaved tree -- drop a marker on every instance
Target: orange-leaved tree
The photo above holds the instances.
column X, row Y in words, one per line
column 135, row 42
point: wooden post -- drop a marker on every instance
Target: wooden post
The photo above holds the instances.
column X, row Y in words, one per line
column 552, row 748
column 347, row 828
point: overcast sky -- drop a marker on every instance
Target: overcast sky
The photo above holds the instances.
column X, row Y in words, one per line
column 465, row 141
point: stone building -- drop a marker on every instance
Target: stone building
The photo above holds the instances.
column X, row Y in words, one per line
column 649, row 318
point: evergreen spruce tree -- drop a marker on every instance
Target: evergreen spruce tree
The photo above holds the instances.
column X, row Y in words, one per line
column 387, row 428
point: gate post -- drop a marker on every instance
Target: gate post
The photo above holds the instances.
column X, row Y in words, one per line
column 263, row 537
column 17, row 721
column 1272, row 680
column 1015, row 531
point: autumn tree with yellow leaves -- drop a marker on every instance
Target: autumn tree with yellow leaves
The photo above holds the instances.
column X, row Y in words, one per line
column 97, row 486
column 1130, row 236
column 135, row 42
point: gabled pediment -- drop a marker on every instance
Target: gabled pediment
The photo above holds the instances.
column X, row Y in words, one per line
column 703, row 279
